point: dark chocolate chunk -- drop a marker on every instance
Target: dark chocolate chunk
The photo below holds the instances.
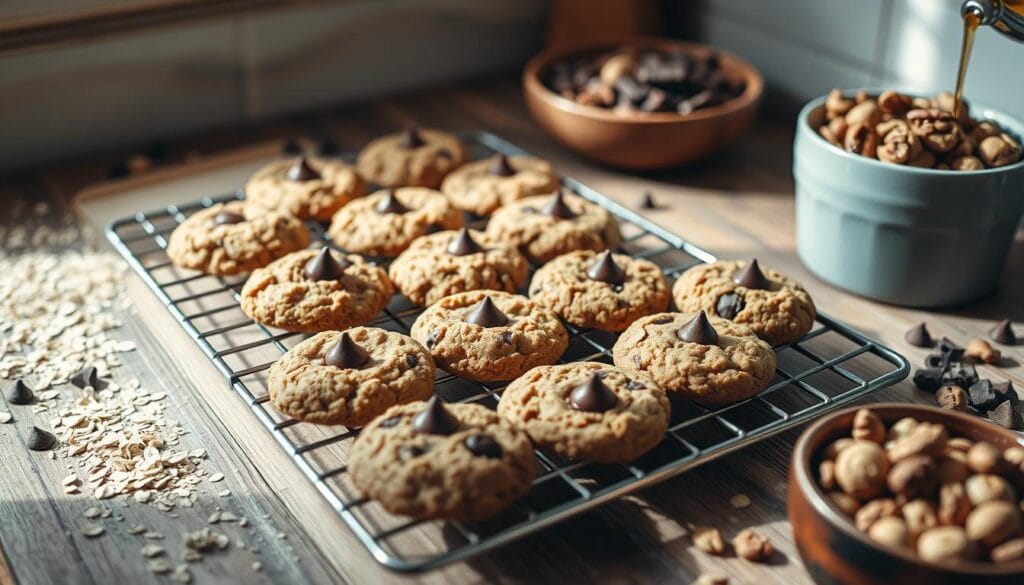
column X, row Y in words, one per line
column 647, row 201
column 928, row 379
column 698, row 330
column 435, row 419
column 411, row 138
column 1003, row 333
column 936, row 360
column 661, row 320
column 1004, row 415
column 346, row 353
column 301, row 171
column 227, row 218
column 963, row 375
column 982, row 395
column 1005, row 391
column 606, row 270
column 918, row 336
column 463, row 244
column 487, row 314
column 593, row 396
column 411, row 360
column 729, row 305
column 19, row 393
column 291, row 146
column 88, row 376
column 507, row 336
column 484, row 446
column 327, row 147
column 407, row 452
column 391, row 422
column 40, row 440
column 501, row 167
column 947, row 346
column 750, row 276
column 325, row 266
column 432, row 339
column 557, row 207
column 390, row 204
column 634, row 385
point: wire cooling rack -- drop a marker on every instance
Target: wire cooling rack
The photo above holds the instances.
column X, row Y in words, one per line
column 831, row 366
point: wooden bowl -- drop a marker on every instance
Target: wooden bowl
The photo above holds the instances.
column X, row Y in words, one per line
column 832, row 548
column 638, row 140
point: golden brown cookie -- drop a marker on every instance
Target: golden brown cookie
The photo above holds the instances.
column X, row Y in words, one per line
column 550, row 225
column 446, row 263
column 431, row 460
column 707, row 359
column 774, row 306
column 588, row 410
column 417, row 157
column 229, row 238
column 490, row 335
column 600, row 290
column 311, row 291
column 386, row 222
column 308, row 188
column 481, row 187
column 350, row 377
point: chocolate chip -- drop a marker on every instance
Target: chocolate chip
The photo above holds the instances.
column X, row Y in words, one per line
column 411, row 138
column 1004, row 415
column 919, row 336
column 324, row 266
column 484, row 446
column 507, row 336
column 622, row 303
column 435, row 419
column 88, row 376
column 19, row 393
column 486, row 314
column 634, row 385
column 346, row 353
column 661, row 320
column 301, row 171
column 729, row 305
column 228, row 218
column 750, row 276
column 637, row 360
column 647, row 201
column 40, row 440
column 1003, row 333
column 928, row 379
column 407, row 452
column 593, row 396
column 291, row 146
column 411, row 360
column 501, row 167
column 698, row 330
column 963, row 375
column 390, row 204
column 982, row 395
column 1005, row 391
column 947, row 346
column 605, row 269
column 391, row 422
column 935, row 360
column 557, row 207
column 432, row 338
column 463, row 244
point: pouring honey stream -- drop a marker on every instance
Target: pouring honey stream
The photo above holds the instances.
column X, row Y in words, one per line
column 1006, row 16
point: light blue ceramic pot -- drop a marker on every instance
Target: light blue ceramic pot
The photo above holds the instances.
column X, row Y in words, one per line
column 903, row 235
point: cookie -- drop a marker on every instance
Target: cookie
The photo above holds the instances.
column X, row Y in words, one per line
column 709, row 360
column 773, row 306
column 546, row 226
column 429, row 460
column 350, row 377
column 446, row 263
column 310, row 291
column 490, row 335
column 588, row 410
column 386, row 222
column 308, row 188
column 481, row 187
column 229, row 238
column 600, row 290
column 417, row 157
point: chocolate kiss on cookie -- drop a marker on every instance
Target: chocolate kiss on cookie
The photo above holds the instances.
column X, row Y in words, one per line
column 698, row 330
column 484, row 446
column 593, row 396
column 435, row 419
column 751, row 276
column 501, row 167
column 411, row 138
column 390, row 204
column 919, row 336
column 324, row 266
column 487, row 314
column 88, row 376
column 301, row 171
column 557, row 207
column 228, row 218
column 1003, row 333
column 463, row 244
column 346, row 354
column 606, row 270
column 20, row 393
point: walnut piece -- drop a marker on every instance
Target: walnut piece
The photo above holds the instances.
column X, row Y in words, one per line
column 752, row 546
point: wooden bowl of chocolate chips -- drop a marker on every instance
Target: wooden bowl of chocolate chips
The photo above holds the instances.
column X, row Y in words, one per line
column 907, row 494
column 642, row 103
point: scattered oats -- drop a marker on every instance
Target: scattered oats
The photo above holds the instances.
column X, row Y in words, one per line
column 222, row 541
column 192, row 556
column 224, row 493
column 216, row 477
column 124, row 346
column 181, row 574
column 205, row 539
column 739, row 501
column 159, row 566
column 228, row 517
column 93, row 530
column 197, row 453
column 71, row 479
column 152, row 550
column 243, row 522
column 214, row 518
column 71, row 489
column 5, row 417
column 92, row 513
column 142, row 496
column 151, row 535
column 48, row 395
column 257, row 566
column 135, row 529
column 281, row 536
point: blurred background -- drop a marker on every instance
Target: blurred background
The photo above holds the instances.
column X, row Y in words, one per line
column 86, row 76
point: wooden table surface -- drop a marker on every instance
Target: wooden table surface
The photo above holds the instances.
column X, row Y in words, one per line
column 740, row 204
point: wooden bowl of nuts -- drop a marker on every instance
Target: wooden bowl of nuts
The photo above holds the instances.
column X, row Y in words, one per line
column 902, row 493
column 642, row 103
